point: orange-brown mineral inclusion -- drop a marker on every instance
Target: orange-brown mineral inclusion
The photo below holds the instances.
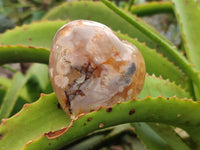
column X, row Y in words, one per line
column 90, row 67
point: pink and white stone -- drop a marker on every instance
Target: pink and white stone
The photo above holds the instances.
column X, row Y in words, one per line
column 90, row 67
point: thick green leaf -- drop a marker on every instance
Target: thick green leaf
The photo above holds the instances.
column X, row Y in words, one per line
column 37, row 81
column 188, row 15
column 178, row 113
column 11, row 54
column 6, row 83
column 11, row 95
column 38, row 34
column 158, row 87
column 33, row 120
column 158, row 136
column 40, row 73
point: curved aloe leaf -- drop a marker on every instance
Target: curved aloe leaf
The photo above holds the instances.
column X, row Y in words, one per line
column 151, row 8
column 187, row 14
column 154, row 63
column 32, row 35
column 10, row 54
column 40, row 73
column 6, row 83
column 37, row 73
column 148, row 110
column 11, row 96
column 175, row 55
column 31, row 122
column 159, row 136
column 152, row 87
column 19, row 92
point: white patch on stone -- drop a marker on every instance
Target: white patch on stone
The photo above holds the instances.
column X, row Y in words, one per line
column 61, row 81
column 130, row 91
column 63, row 67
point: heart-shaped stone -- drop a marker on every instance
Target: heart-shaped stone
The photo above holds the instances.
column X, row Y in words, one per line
column 91, row 67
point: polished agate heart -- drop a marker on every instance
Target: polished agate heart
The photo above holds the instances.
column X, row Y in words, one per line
column 90, row 67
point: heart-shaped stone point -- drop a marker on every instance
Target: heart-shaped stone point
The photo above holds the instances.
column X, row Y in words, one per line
column 91, row 67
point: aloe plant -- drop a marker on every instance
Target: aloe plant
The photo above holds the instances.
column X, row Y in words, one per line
column 167, row 107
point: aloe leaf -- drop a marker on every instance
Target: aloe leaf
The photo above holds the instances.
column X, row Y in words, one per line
column 2, row 93
column 36, row 34
column 9, row 68
column 152, row 87
column 37, row 81
column 11, row 54
column 152, row 138
column 159, row 136
column 187, row 14
column 151, row 8
column 33, row 120
column 24, row 93
column 5, row 82
column 120, row 134
column 12, row 95
column 175, row 55
column 132, row 111
column 86, row 144
column 40, row 73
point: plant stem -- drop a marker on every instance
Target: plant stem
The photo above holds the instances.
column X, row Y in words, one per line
column 177, row 57
column 131, row 2
column 151, row 8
